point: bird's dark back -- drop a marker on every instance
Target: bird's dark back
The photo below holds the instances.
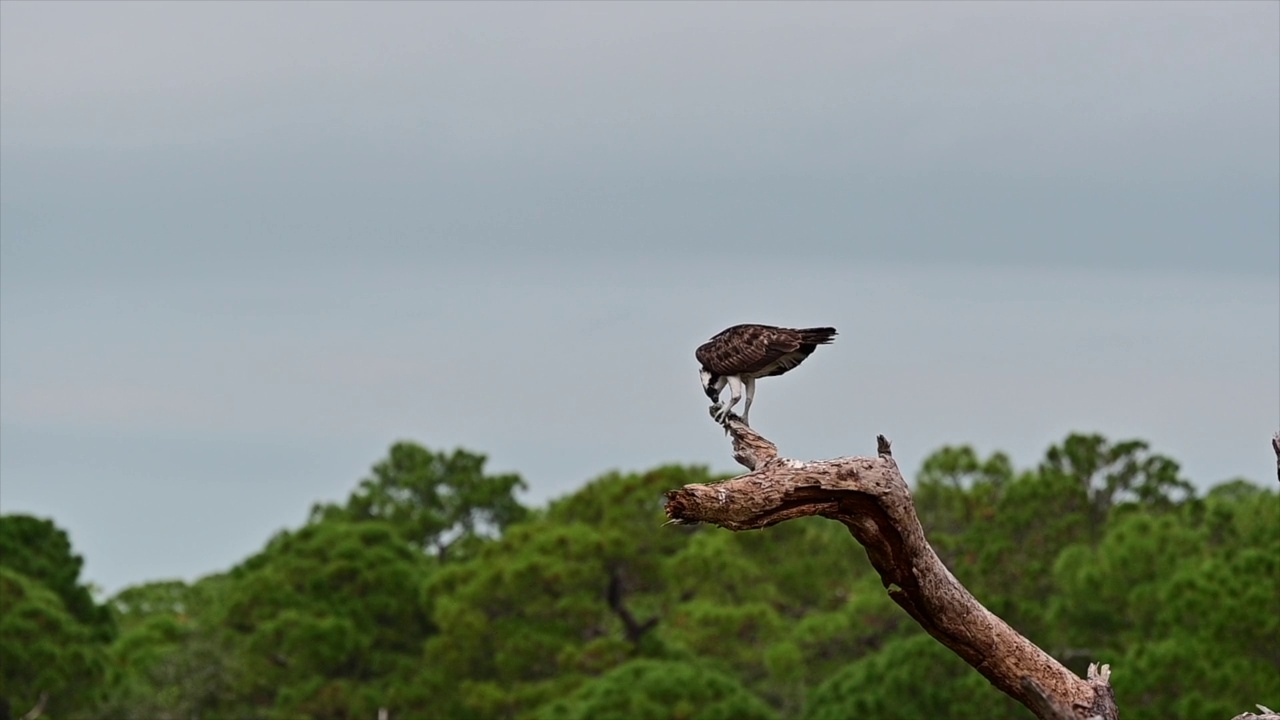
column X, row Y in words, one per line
column 761, row 350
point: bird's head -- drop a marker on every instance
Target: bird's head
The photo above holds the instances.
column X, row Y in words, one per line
column 710, row 383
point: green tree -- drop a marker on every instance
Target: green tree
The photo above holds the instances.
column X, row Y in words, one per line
column 46, row 649
column 627, row 509
column 55, row 635
column 956, row 490
column 742, row 599
column 1113, row 473
column 325, row 620
column 437, row 500
column 171, row 658
column 832, row 639
column 575, row 591
column 647, row 689
column 909, row 678
column 433, row 593
column 139, row 602
column 1106, row 593
column 522, row 622
column 1001, row 532
column 42, row 551
column 1186, row 603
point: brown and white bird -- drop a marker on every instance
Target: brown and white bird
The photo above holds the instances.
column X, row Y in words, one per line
column 741, row 354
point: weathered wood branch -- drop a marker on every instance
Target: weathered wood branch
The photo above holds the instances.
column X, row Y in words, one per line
column 871, row 498
column 38, row 710
column 1275, row 445
column 1267, row 714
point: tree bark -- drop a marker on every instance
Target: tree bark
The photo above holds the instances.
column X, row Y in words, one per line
column 871, row 498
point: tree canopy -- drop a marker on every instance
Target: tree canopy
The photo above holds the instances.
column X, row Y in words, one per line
column 55, row 635
column 433, row 592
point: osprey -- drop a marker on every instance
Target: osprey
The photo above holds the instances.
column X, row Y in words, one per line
column 741, row 354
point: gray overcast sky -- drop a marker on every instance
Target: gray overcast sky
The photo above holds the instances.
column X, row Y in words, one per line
column 244, row 247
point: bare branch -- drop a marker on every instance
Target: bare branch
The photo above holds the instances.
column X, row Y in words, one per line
column 614, row 595
column 1043, row 705
column 1275, row 445
column 38, row 710
column 1267, row 714
column 750, row 448
column 871, row 498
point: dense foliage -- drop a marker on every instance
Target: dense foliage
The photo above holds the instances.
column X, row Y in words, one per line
column 433, row 593
column 53, row 636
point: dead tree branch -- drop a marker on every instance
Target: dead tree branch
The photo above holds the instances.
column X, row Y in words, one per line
column 1275, row 445
column 615, row 596
column 1267, row 714
column 38, row 710
column 871, row 498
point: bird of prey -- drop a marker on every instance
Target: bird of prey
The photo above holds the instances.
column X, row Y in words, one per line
column 741, row 354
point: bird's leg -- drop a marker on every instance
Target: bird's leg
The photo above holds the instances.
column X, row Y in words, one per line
column 751, row 393
column 714, row 393
column 735, row 394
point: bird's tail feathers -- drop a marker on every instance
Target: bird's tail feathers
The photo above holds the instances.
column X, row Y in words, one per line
column 818, row 335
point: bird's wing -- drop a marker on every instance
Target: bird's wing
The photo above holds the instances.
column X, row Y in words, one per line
column 747, row 348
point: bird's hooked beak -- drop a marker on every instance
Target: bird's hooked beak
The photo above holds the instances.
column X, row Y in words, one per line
column 710, row 385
